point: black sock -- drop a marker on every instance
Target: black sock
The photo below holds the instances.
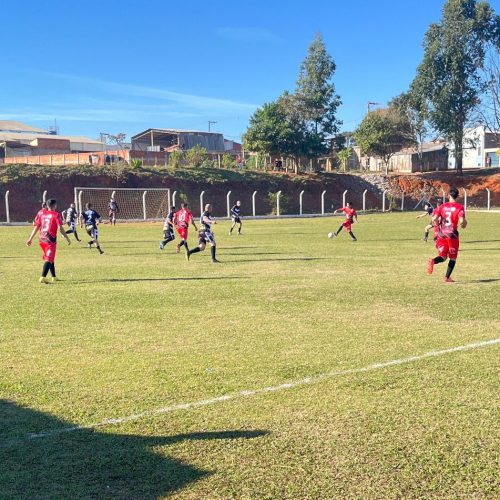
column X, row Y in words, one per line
column 212, row 250
column 52, row 270
column 339, row 229
column 76, row 235
column 69, row 231
column 239, row 229
column 438, row 260
column 426, row 235
column 194, row 250
column 182, row 243
column 45, row 269
column 351, row 234
column 451, row 266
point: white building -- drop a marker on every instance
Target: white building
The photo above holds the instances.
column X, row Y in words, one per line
column 481, row 147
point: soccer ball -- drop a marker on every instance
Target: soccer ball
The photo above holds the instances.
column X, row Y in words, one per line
column 330, row 236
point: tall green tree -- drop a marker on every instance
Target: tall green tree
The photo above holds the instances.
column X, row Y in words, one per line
column 382, row 133
column 413, row 109
column 448, row 77
column 316, row 99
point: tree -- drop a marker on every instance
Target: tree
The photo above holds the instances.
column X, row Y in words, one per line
column 448, row 76
column 344, row 156
column 196, row 156
column 412, row 108
column 117, row 139
column 383, row 133
column 315, row 98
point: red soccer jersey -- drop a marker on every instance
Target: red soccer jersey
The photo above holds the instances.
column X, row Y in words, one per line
column 182, row 218
column 448, row 216
column 350, row 213
column 38, row 215
column 49, row 222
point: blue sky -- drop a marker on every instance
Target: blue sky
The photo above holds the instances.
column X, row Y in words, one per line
column 123, row 66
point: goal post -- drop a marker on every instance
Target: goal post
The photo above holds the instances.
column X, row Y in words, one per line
column 145, row 204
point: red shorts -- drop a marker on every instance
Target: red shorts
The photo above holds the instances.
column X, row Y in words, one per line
column 183, row 232
column 49, row 251
column 448, row 247
column 347, row 225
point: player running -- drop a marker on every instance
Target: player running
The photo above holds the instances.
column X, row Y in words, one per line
column 236, row 217
column 168, row 229
column 70, row 215
column 91, row 219
column 182, row 219
column 205, row 234
column 428, row 211
column 48, row 223
column 113, row 210
column 448, row 217
column 351, row 216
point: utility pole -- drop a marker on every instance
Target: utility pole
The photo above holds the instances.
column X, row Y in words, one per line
column 370, row 104
column 210, row 122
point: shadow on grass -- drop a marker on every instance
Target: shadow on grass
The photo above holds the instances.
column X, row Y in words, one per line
column 90, row 464
column 479, row 241
column 486, row 280
column 126, row 280
column 289, row 259
column 479, row 250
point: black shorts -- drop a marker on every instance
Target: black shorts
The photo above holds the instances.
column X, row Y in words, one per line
column 237, row 220
column 205, row 237
column 168, row 234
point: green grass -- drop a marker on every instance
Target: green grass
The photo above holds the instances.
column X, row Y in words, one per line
column 136, row 330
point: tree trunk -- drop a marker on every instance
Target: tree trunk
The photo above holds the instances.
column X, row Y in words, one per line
column 459, row 153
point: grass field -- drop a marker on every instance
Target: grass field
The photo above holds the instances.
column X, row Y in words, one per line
column 136, row 331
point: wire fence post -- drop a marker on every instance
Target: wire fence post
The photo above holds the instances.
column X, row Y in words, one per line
column 174, row 194
column 300, row 201
column 323, row 203
column 44, row 196
column 201, row 202
column 253, row 202
column 488, row 203
column 7, row 210
column 364, row 199
column 343, row 197
column 144, row 205
column 228, row 202
column 402, row 201
column 80, row 205
column 465, row 198
column 278, row 196
column 383, row 199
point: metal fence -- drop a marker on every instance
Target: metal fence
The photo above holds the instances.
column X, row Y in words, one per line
column 260, row 204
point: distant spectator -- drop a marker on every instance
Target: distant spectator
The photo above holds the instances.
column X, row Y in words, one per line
column 107, row 160
column 488, row 161
column 90, row 160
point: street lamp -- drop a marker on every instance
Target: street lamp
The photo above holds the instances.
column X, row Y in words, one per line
column 210, row 122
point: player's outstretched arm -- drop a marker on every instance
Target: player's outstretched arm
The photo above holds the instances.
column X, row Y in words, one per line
column 65, row 234
column 463, row 222
column 194, row 225
column 32, row 235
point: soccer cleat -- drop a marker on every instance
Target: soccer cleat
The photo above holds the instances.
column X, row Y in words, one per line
column 215, row 261
column 188, row 254
column 162, row 246
column 430, row 266
column 230, row 233
column 43, row 281
column 100, row 251
column 448, row 280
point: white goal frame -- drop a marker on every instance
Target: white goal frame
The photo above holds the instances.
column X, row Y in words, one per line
column 154, row 203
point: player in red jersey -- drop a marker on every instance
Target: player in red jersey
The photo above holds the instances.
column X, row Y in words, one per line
column 351, row 216
column 447, row 218
column 48, row 223
column 182, row 219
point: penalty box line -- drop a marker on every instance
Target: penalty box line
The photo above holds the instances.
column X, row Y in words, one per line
column 254, row 392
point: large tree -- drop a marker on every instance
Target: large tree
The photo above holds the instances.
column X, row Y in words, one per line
column 448, row 77
column 383, row 133
column 413, row 109
column 315, row 95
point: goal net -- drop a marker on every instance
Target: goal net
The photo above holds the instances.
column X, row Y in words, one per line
column 133, row 204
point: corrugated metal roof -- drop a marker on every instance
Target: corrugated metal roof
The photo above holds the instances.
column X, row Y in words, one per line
column 173, row 131
column 11, row 125
column 13, row 136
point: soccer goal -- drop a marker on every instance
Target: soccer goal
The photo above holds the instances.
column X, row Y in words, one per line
column 133, row 204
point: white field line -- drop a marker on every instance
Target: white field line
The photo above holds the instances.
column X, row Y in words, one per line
column 254, row 392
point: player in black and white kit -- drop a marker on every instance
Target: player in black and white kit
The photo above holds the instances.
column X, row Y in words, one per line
column 113, row 210
column 205, row 234
column 168, row 229
column 91, row 219
column 236, row 218
column 428, row 211
column 70, row 215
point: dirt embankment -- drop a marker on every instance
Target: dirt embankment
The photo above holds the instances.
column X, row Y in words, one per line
column 27, row 183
